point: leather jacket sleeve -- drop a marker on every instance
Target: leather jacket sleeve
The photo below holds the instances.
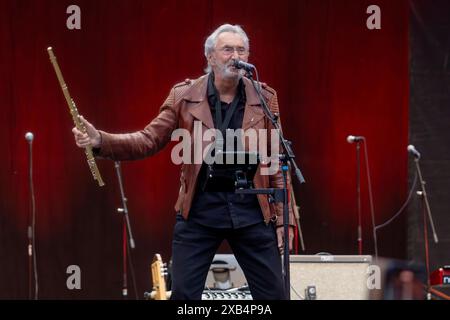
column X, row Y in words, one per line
column 140, row 144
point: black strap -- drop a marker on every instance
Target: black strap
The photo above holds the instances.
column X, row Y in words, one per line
column 230, row 112
column 218, row 110
column 222, row 126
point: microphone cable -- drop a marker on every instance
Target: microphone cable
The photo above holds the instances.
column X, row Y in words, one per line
column 369, row 185
column 408, row 199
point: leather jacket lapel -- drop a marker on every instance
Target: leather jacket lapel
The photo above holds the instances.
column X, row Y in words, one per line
column 199, row 107
column 253, row 110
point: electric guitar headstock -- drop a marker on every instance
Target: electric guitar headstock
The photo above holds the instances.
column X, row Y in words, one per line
column 159, row 271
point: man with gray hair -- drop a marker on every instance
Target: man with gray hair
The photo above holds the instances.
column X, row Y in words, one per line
column 223, row 99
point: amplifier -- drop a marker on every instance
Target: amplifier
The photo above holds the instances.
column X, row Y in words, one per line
column 329, row 277
column 440, row 276
column 225, row 273
column 226, row 280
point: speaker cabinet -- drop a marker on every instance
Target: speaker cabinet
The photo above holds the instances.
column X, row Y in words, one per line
column 329, row 277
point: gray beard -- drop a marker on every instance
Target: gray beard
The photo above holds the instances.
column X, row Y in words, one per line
column 225, row 72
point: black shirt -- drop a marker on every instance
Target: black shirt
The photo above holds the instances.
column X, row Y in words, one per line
column 224, row 209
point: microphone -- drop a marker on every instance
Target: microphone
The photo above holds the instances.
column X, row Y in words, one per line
column 29, row 136
column 238, row 64
column 411, row 149
column 352, row 139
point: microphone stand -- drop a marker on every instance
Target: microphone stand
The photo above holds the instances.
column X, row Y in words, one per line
column 127, row 235
column 286, row 157
column 358, row 196
column 358, row 193
column 426, row 213
column 32, row 265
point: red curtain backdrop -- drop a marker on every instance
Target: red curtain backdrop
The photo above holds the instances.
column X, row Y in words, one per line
column 334, row 77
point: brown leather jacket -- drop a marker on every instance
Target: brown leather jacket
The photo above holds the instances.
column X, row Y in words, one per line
column 186, row 103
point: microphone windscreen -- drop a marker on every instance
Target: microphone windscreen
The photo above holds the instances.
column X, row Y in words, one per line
column 29, row 136
column 350, row 139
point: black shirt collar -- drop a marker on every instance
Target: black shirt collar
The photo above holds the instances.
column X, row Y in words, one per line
column 213, row 94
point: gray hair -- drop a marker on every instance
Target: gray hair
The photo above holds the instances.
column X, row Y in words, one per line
column 211, row 41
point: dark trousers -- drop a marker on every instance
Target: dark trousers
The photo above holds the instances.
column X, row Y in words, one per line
column 255, row 249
